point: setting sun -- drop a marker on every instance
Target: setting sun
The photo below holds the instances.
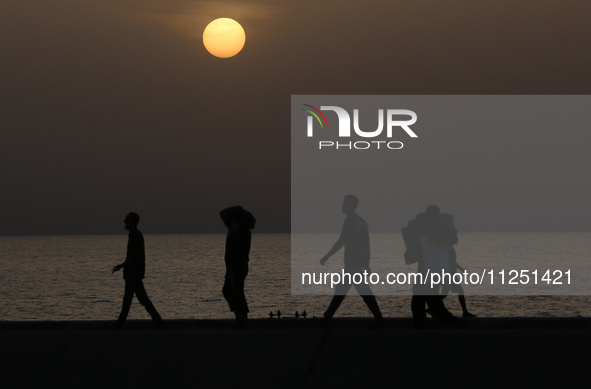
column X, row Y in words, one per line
column 224, row 37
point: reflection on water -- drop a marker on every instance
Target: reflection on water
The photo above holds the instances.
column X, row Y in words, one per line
column 69, row 278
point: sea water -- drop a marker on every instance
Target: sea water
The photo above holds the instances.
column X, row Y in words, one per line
column 69, row 277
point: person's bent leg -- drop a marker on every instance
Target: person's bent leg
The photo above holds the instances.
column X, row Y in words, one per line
column 240, row 273
column 127, row 297
column 465, row 312
column 370, row 300
column 339, row 295
column 438, row 309
column 239, row 298
column 228, row 289
column 417, row 306
column 142, row 296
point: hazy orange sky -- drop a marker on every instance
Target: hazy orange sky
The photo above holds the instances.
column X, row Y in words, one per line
column 112, row 106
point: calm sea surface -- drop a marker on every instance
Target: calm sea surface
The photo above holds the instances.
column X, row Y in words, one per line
column 69, row 278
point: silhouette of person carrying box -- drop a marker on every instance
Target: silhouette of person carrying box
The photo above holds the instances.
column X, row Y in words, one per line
column 133, row 273
column 429, row 241
column 239, row 223
column 355, row 239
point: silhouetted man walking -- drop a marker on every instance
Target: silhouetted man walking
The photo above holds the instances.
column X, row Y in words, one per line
column 133, row 273
column 239, row 223
column 355, row 238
